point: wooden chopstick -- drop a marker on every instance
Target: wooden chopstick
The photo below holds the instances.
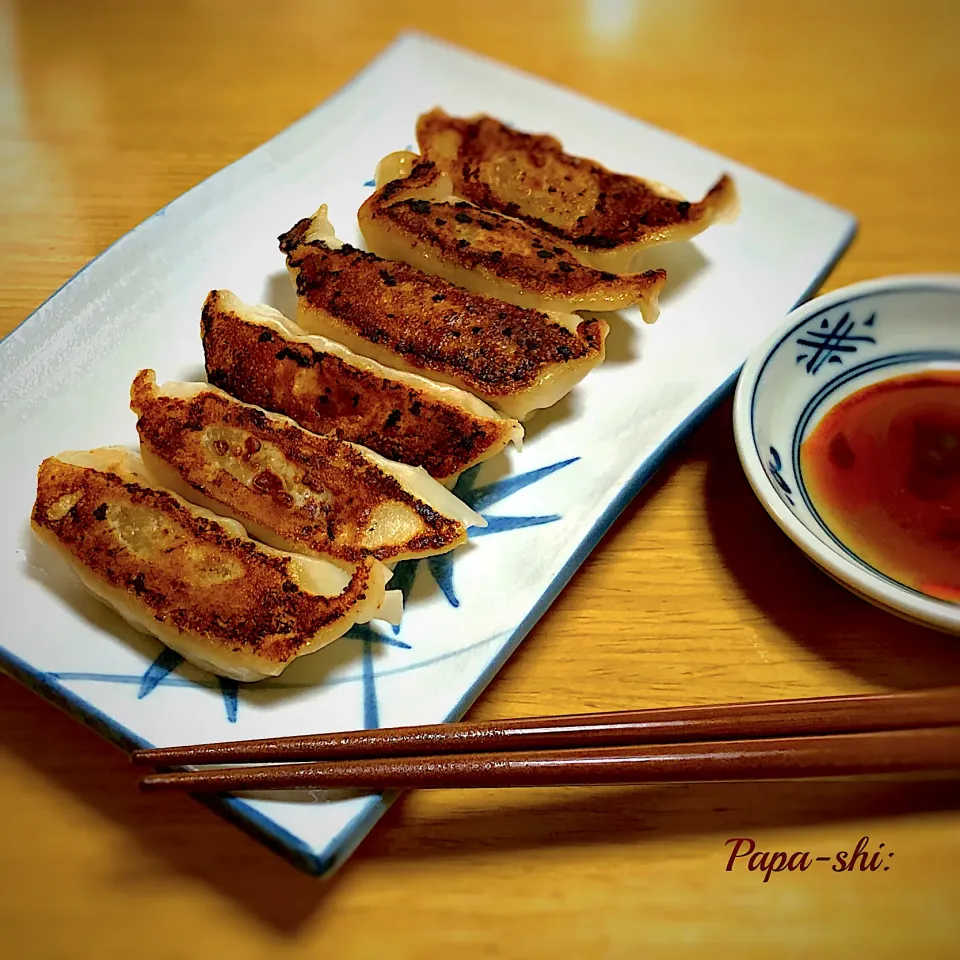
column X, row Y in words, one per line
column 859, row 713
column 839, row 755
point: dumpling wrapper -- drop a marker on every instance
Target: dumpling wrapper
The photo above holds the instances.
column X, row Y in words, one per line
column 192, row 579
column 414, row 216
column 290, row 488
column 262, row 357
column 516, row 359
column 604, row 218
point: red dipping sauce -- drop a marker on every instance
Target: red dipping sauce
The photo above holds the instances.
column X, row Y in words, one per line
column 883, row 470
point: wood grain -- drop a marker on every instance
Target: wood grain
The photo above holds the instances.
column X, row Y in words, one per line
column 110, row 110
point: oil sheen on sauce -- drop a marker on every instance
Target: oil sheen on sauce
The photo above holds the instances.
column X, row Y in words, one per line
column 883, row 470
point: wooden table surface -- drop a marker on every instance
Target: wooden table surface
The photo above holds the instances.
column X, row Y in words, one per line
column 110, row 110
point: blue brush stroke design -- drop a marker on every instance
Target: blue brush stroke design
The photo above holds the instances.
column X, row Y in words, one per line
column 165, row 663
column 482, row 497
column 370, row 183
column 371, row 711
column 506, row 524
column 159, row 672
column 205, row 683
column 229, row 689
column 441, row 569
column 133, row 679
column 274, row 684
column 403, row 577
column 388, row 641
column 775, row 468
column 478, row 498
column 368, row 637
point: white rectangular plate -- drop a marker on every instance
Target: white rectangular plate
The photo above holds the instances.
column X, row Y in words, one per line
column 65, row 377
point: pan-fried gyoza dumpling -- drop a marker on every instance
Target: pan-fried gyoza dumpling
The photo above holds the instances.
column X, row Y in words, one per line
column 415, row 217
column 517, row 359
column 263, row 358
column 192, row 579
column 292, row 489
column 605, row 218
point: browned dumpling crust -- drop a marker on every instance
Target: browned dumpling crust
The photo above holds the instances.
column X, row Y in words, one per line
column 194, row 580
column 605, row 218
column 263, row 358
column 291, row 488
column 417, row 219
column 517, row 359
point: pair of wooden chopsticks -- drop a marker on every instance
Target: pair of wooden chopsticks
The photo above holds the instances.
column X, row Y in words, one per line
column 871, row 734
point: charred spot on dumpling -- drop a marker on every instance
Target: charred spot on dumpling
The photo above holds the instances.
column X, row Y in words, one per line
column 295, row 236
column 286, row 353
column 599, row 243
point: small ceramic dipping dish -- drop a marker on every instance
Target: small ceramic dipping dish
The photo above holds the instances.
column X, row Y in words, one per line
column 847, row 422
